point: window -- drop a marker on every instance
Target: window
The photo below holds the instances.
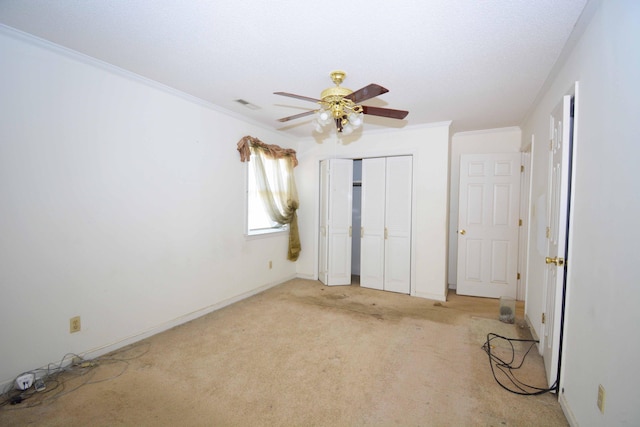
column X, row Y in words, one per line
column 258, row 219
column 272, row 197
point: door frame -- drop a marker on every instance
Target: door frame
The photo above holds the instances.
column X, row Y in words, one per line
column 523, row 237
column 563, row 292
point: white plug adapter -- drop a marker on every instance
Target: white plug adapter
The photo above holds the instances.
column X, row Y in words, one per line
column 25, row 381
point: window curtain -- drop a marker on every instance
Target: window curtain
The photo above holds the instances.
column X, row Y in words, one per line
column 276, row 185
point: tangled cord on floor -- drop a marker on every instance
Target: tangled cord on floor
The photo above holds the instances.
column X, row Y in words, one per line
column 508, row 368
column 57, row 376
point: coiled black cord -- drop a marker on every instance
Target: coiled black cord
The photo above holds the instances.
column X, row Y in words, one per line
column 508, row 368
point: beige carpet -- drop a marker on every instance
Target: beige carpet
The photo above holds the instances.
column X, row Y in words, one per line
column 303, row 354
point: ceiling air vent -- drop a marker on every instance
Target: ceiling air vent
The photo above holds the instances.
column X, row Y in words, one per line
column 247, row 104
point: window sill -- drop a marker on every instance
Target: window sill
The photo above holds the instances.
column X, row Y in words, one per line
column 261, row 234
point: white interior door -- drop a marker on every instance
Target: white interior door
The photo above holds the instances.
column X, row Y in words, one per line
column 488, row 224
column 386, row 224
column 558, row 196
column 397, row 255
column 372, row 223
column 339, row 180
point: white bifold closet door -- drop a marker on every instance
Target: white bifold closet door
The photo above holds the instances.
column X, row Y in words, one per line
column 336, row 185
column 386, row 224
column 372, row 223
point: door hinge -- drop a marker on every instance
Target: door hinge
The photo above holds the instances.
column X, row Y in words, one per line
column 350, row 230
column 518, row 276
column 548, row 232
column 520, row 222
column 521, row 168
column 543, row 318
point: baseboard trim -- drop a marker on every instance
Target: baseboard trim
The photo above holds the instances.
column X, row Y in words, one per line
column 107, row 348
column 428, row 295
column 531, row 328
column 568, row 413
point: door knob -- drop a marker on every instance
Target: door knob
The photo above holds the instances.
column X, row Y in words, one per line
column 463, row 232
column 557, row 261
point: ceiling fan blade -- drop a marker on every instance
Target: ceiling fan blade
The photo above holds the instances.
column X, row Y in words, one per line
column 384, row 112
column 291, row 95
column 367, row 92
column 297, row 116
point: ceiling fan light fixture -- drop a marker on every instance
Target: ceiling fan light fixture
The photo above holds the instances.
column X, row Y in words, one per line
column 355, row 119
column 347, row 129
column 324, row 116
column 342, row 106
column 341, row 110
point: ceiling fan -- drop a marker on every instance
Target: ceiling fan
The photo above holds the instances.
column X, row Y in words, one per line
column 342, row 106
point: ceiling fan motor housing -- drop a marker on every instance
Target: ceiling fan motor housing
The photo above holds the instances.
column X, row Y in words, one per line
column 334, row 92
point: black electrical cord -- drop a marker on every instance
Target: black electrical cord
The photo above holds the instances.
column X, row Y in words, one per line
column 508, row 368
column 68, row 376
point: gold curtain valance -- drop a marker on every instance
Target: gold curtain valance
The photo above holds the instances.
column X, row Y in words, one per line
column 271, row 150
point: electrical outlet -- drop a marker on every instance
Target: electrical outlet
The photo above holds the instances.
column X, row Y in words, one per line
column 25, row 381
column 601, row 398
column 270, row 265
column 74, row 324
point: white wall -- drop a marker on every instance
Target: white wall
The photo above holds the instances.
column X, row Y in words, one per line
column 601, row 335
column 504, row 140
column 120, row 202
column 430, row 149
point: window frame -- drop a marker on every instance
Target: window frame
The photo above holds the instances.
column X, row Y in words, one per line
column 257, row 232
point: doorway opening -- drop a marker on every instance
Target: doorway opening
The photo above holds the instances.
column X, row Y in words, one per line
column 356, row 221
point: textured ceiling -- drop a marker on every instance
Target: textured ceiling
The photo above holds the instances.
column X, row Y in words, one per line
column 480, row 64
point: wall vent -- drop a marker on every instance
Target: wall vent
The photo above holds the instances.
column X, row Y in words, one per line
column 247, row 104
